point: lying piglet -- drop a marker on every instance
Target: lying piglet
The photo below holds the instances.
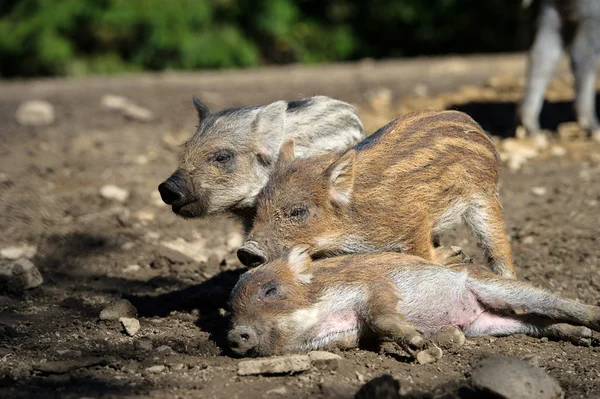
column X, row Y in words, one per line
column 295, row 304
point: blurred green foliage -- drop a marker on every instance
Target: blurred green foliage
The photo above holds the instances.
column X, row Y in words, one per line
column 76, row 37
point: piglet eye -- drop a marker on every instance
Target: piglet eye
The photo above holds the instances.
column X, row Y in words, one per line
column 298, row 211
column 271, row 292
column 223, row 157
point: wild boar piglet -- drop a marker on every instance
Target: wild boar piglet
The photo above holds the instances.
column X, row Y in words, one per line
column 295, row 304
column 230, row 157
column 397, row 190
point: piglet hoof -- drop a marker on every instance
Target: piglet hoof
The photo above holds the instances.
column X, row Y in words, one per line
column 449, row 338
column 447, row 256
column 577, row 335
column 430, row 355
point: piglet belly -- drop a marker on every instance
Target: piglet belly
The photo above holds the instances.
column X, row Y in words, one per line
column 430, row 314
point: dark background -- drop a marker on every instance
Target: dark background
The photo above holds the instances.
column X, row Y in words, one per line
column 80, row 37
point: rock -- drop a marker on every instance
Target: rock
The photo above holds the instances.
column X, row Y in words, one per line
column 136, row 112
column 18, row 276
column 528, row 240
column 159, row 368
column 430, row 355
column 35, row 113
column 64, row 366
column 558, row 151
column 112, row 102
column 17, row 252
column 118, row 309
column 324, row 360
column 132, row 269
column 570, row 130
column 114, row 193
column 234, row 241
column 131, row 325
column 539, row 191
column 192, row 249
column 145, row 216
column 277, row 391
column 449, row 338
column 274, row 365
column 127, row 107
column 383, row 387
column 511, row 378
column 165, row 350
column 143, row 345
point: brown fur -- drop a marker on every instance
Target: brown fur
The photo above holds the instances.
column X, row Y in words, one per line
column 388, row 192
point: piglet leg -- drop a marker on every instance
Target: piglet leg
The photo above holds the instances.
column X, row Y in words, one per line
column 489, row 323
column 394, row 328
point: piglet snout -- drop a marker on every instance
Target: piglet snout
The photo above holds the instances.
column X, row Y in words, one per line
column 250, row 255
column 242, row 339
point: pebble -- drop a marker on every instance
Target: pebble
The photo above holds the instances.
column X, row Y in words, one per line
column 511, row 378
column 18, row 276
column 528, row 240
column 17, row 252
column 274, row 365
column 127, row 107
column 131, row 325
column 383, row 387
column 234, row 241
column 430, row 355
column 114, row 193
column 277, row 391
column 192, row 249
column 324, row 360
column 118, row 309
column 132, row 269
column 159, row 368
column 539, row 191
column 143, row 345
column 449, row 338
column 558, row 151
column 64, row 366
column 35, row 113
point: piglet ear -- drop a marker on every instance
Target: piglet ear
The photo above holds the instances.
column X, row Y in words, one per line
column 269, row 127
column 201, row 108
column 298, row 259
column 341, row 178
column 286, row 153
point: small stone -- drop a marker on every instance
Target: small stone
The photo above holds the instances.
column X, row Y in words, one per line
column 132, row 269
column 277, row 391
column 528, row 240
column 533, row 360
column 165, row 350
column 136, row 112
column 178, row 367
column 539, row 191
column 114, row 193
column 35, row 113
column 234, row 241
column 449, row 338
column 512, row 378
column 359, row 376
column 131, row 325
column 544, row 339
column 64, row 366
column 274, row 365
column 18, row 276
column 570, row 130
column 558, row 151
column 324, row 360
column 143, row 345
column 430, row 355
column 195, row 249
column 145, row 216
column 159, row 368
column 117, row 309
column 112, row 102
column 18, row 252
column 383, row 387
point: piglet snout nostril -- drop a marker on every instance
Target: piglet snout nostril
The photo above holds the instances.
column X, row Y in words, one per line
column 171, row 190
column 242, row 340
column 250, row 256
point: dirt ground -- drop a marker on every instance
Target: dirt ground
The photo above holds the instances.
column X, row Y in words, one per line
column 92, row 250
